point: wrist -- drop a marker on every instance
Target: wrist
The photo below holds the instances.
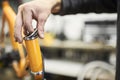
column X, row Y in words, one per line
column 56, row 6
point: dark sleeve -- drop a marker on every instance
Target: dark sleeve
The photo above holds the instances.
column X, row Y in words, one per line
column 118, row 44
column 85, row 6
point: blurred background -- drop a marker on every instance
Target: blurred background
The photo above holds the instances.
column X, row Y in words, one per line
column 76, row 47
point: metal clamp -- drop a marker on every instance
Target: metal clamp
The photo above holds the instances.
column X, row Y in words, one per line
column 32, row 35
column 37, row 73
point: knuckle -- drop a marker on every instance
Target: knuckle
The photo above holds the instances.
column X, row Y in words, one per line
column 23, row 7
column 41, row 20
column 26, row 8
column 41, row 28
column 27, row 23
column 42, row 17
column 20, row 7
column 29, row 28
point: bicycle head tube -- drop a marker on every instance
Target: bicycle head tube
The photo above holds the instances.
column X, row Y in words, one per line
column 32, row 36
column 34, row 54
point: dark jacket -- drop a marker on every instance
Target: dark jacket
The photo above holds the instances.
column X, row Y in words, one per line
column 98, row 6
column 85, row 6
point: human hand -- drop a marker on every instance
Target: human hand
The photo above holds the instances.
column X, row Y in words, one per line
column 38, row 10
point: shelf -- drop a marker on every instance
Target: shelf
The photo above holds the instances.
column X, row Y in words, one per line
column 78, row 45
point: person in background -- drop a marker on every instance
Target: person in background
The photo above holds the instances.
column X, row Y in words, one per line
column 41, row 9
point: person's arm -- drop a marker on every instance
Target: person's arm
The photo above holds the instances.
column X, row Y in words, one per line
column 41, row 9
column 85, row 6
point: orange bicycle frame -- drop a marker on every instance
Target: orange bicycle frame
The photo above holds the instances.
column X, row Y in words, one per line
column 34, row 55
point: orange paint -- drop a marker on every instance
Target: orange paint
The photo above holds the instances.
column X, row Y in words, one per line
column 34, row 55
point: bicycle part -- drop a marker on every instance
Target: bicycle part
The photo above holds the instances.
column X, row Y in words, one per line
column 34, row 55
column 10, row 18
column 96, row 64
column 2, row 29
column 8, row 58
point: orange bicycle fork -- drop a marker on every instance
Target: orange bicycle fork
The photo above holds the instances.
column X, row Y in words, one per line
column 34, row 55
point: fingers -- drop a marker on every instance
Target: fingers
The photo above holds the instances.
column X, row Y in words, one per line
column 40, row 30
column 41, row 22
column 29, row 11
column 23, row 18
column 27, row 20
column 25, row 31
column 18, row 27
column 40, row 25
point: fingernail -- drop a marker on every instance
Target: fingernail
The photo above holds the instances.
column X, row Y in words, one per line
column 42, row 35
column 19, row 40
column 15, row 40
